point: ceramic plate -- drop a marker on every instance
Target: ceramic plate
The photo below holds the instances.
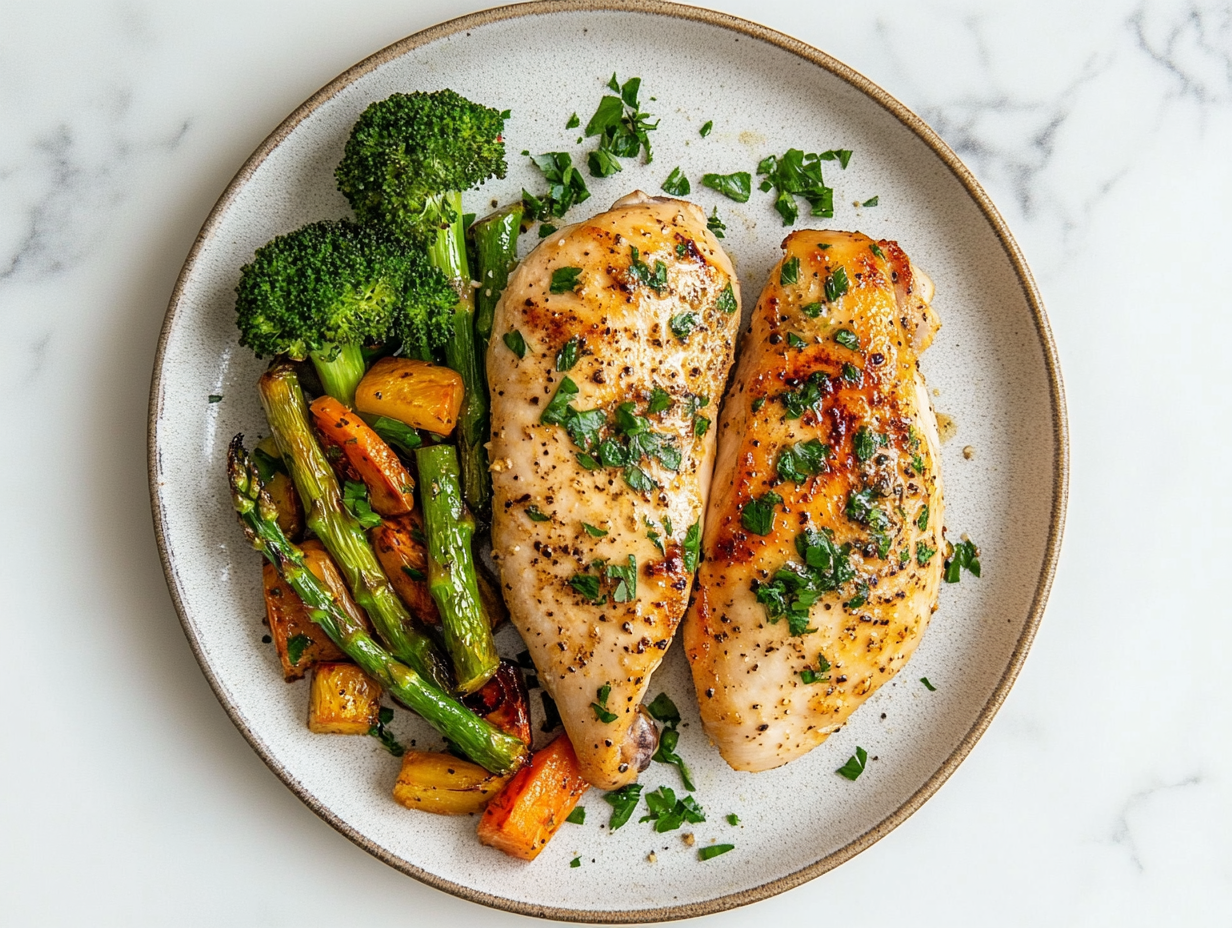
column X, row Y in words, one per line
column 993, row 364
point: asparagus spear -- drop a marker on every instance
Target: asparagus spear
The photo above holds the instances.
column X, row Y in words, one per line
column 477, row 738
column 451, row 570
column 338, row 530
column 496, row 254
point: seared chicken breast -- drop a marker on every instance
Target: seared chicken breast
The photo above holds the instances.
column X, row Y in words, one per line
column 610, row 347
column 823, row 542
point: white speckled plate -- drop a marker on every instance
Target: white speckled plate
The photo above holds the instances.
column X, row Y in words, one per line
column 993, row 363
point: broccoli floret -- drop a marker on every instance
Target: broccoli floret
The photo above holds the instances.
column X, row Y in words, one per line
column 409, row 152
column 324, row 291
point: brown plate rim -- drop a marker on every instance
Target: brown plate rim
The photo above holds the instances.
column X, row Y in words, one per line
column 1059, row 423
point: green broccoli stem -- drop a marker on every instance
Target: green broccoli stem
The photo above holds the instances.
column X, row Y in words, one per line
column 338, row 530
column 340, row 374
column 451, row 569
column 447, row 252
column 496, row 254
column 478, row 739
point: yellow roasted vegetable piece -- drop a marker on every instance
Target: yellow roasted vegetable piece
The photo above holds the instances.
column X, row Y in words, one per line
column 344, row 700
column 416, row 393
column 443, row 784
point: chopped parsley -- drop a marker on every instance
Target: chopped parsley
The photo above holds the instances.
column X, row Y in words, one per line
column 638, row 479
column 841, row 155
column 847, row 338
column 556, row 410
column 715, row 224
column 737, row 186
column 692, row 547
column 662, row 709
column 966, row 555
column 602, row 163
column 714, row 850
column 683, row 324
column 214, row 398
column 928, row 686
column 546, row 229
column 803, row 460
column 296, row 645
column 587, row 461
column 757, row 516
column 820, row 675
column 733, row 819
column 593, row 530
column 623, row 129
column 669, row 813
column 796, row 174
column 626, row 580
column 796, row 587
column 705, row 130
column 727, row 300
column 535, row 514
column 701, row 425
column 922, row 518
column 576, row 862
column 623, row 801
column 573, row 122
column 589, row 586
column 601, row 712
column 923, row 553
column 852, row 374
column 861, row 508
column 876, row 250
column 865, row 442
column 639, row 272
column 577, row 816
column 565, row 280
column 917, row 461
column 836, row 284
column 383, row 717
column 871, row 201
column 790, row 272
column 758, row 403
column 566, row 187
column 567, row 357
column 677, row 184
column 660, row 400
column 795, row 341
column 414, row 573
column 355, row 498
column 854, row 766
column 807, row 396
column 812, row 310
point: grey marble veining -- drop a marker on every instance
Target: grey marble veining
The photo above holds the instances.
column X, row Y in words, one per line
column 1103, row 791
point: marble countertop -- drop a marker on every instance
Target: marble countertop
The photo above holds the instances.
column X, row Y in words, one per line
column 1101, row 794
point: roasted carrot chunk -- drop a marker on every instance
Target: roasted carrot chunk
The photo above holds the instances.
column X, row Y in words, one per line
column 416, row 393
column 300, row 642
column 504, row 701
column 400, row 549
column 317, row 560
column 523, row 817
column 286, row 501
column 389, row 483
column 343, row 700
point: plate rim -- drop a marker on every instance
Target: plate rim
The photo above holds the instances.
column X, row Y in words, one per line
column 1060, row 428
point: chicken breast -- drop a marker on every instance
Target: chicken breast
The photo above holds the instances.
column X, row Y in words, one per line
column 823, row 542
column 609, row 350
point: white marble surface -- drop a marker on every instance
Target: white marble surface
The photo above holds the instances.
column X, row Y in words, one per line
column 1101, row 795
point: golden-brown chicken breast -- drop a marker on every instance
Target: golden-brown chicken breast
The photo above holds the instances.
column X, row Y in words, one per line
column 609, row 350
column 822, row 549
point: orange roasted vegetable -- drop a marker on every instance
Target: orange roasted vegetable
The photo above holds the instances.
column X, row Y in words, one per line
column 300, row 642
column 443, row 784
column 389, row 483
column 317, row 560
column 398, row 546
column 524, row 816
column 416, row 393
column 286, row 501
column 343, row 700
column 504, row 701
